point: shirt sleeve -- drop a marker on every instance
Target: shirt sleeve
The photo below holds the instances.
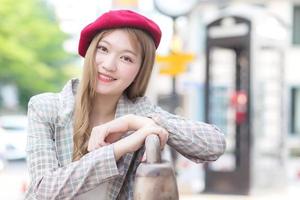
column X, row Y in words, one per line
column 197, row 141
column 51, row 181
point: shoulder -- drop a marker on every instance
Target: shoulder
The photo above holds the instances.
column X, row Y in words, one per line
column 44, row 105
column 49, row 105
column 144, row 104
column 142, row 100
column 53, row 100
column 44, row 99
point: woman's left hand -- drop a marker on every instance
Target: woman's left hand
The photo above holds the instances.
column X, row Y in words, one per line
column 112, row 131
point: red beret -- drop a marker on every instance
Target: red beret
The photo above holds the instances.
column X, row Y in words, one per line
column 117, row 19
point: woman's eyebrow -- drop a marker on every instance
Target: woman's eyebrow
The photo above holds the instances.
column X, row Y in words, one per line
column 125, row 50
column 104, row 42
column 129, row 51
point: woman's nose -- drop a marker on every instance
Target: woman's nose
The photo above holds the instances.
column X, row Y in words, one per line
column 110, row 64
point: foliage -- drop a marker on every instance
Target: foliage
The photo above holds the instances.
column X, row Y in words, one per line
column 31, row 47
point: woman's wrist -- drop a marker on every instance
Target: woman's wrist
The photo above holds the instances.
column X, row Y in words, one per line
column 136, row 122
column 120, row 149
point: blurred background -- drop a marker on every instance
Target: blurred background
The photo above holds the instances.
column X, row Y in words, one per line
column 233, row 63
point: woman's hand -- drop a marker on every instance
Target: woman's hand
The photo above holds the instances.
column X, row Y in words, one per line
column 135, row 140
column 112, row 131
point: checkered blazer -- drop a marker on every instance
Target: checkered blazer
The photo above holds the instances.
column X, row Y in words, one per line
column 50, row 145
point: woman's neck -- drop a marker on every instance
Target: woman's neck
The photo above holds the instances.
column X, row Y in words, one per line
column 104, row 109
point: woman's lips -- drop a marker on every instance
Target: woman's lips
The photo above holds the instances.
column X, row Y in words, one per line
column 105, row 78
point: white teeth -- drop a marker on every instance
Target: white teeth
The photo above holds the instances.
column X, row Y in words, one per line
column 106, row 77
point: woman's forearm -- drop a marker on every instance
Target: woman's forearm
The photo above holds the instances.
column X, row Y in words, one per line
column 135, row 141
column 136, row 122
column 120, row 148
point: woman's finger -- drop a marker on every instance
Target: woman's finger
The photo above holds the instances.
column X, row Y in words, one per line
column 163, row 136
column 159, row 131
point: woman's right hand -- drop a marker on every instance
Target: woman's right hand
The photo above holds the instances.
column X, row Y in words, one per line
column 135, row 140
column 112, row 131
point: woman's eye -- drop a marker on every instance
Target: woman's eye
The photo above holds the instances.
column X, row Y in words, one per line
column 127, row 59
column 102, row 48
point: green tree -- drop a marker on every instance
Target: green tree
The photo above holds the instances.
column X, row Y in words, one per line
column 31, row 47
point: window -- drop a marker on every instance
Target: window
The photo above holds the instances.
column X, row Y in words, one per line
column 295, row 111
column 296, row 25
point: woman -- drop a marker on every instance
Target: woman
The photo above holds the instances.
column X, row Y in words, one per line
column 87, row 141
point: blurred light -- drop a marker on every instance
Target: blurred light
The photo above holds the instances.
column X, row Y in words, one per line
column 242, row 99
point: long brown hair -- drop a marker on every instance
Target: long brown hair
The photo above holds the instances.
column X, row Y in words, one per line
column 86, row 89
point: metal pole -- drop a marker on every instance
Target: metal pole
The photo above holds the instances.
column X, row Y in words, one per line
column 175, row 99
column 174, row 95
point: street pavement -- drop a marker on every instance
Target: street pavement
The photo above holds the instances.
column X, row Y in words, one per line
column 13, row 180
column 292, row 192
column 14, row 177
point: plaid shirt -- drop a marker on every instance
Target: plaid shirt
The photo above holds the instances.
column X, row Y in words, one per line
column 50, row 145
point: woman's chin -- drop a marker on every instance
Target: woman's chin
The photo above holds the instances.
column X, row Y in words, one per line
column 106, row 92
column 102, row 92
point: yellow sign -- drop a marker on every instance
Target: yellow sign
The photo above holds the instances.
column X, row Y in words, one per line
column 174, row 63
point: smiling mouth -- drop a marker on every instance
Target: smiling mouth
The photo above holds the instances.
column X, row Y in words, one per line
column 105, row 78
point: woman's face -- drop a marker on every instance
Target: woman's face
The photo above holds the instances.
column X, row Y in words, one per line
column 117, row 62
